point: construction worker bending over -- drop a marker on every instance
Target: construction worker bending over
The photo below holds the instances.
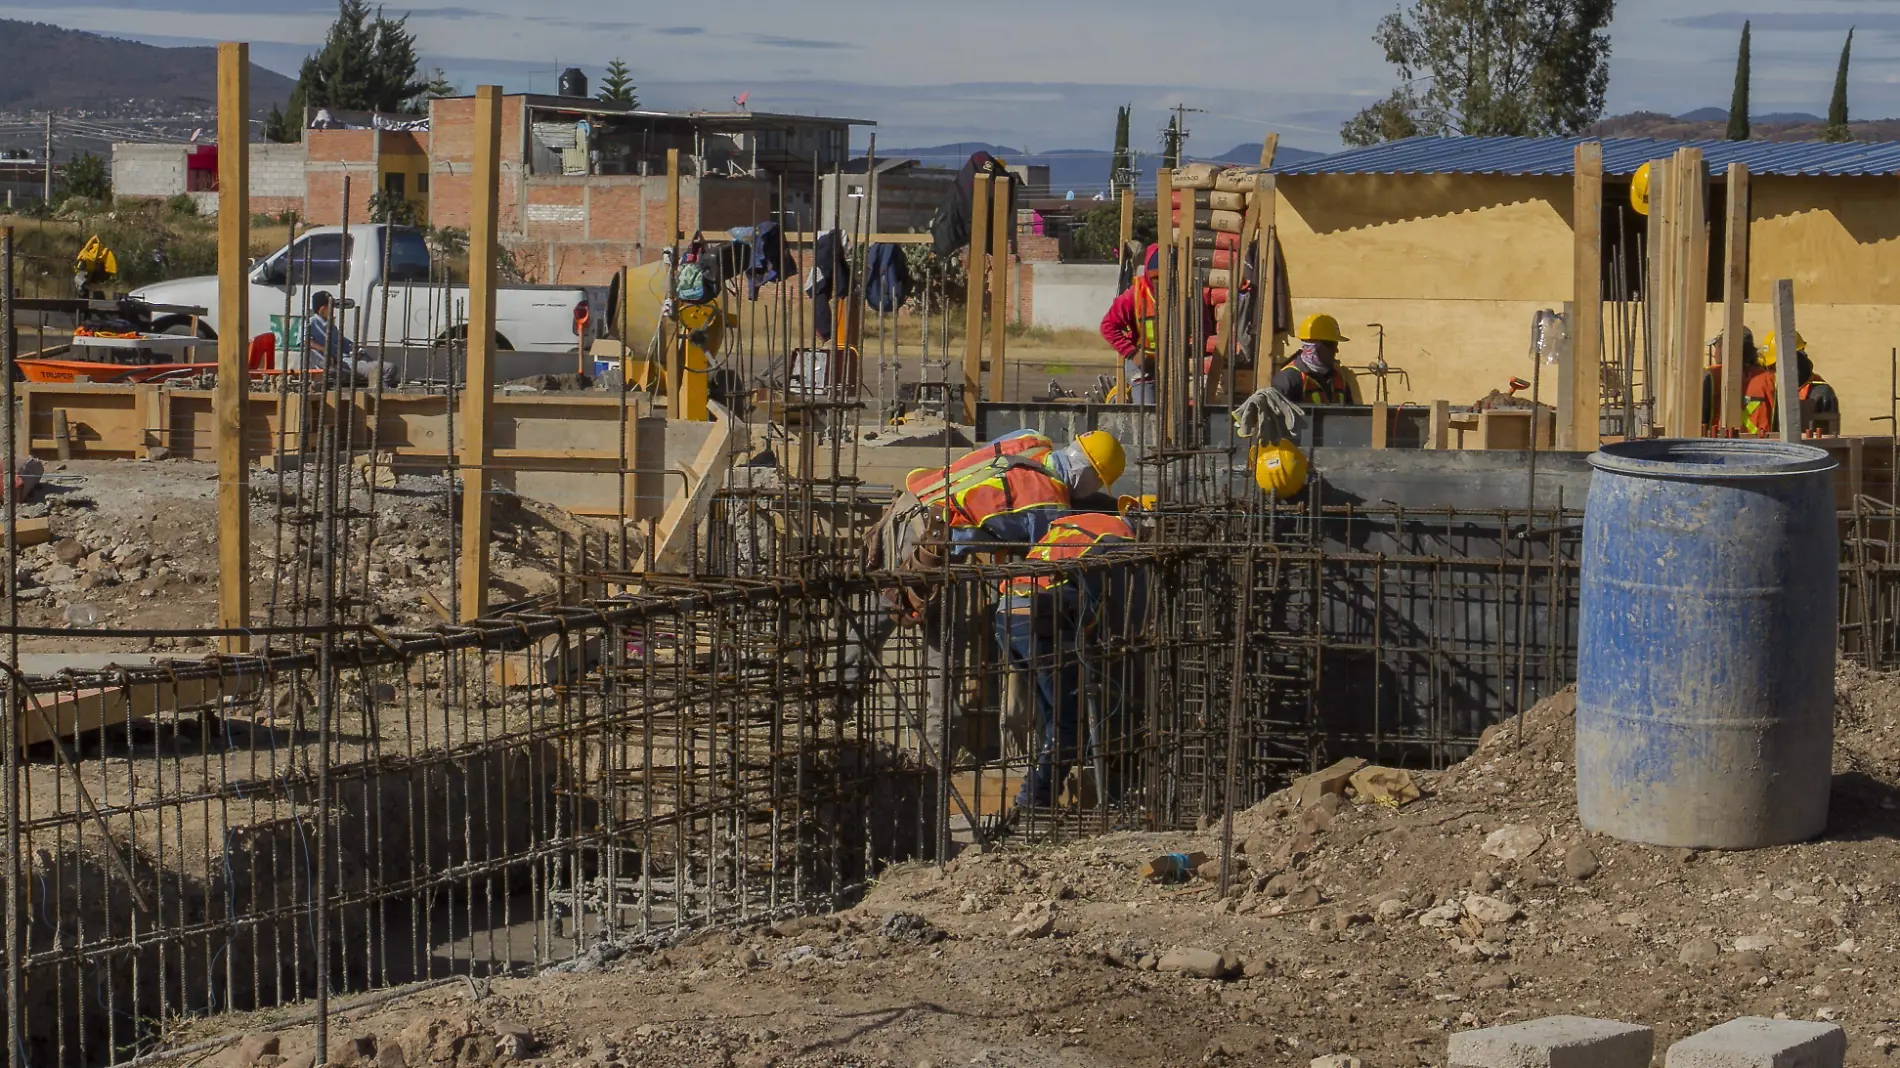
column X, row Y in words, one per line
column 1758, row 388
column 1047, row 624
column 1314, row 375
column 1130, row 328
column 999, row 500
column 1820, row 405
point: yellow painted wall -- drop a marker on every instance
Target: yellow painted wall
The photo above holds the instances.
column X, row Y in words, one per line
column 1838, row 238
column 1455, row 266
column 1465, row 237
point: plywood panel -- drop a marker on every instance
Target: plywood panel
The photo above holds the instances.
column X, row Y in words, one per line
column 1427, row 236
column 1837, row 238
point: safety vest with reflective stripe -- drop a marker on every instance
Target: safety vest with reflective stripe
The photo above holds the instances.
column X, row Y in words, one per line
column 1008, row 475
column 1331, row 390
column 1758, row 398
column 1147, row 315
column 1069, row 538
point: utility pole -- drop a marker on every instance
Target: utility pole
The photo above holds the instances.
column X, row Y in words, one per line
column 1181, row 112
column 47, row 161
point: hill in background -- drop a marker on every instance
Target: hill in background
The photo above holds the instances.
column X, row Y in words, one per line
column 46, row 68
column 1084, row 170
column 1706, row 124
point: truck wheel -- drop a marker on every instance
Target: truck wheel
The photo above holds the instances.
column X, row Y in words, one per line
column 460, row 333
column 181, row 325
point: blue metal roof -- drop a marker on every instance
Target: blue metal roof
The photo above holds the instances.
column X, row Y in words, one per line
column 1621, row 155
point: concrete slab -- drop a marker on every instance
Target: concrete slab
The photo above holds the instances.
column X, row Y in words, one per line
column 1555, row 1042
column 1759, row 1042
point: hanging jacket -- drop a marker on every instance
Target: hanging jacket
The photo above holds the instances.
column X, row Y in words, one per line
column 886, row 278
column 769, row 261
column 950, row 227
column 830, row 279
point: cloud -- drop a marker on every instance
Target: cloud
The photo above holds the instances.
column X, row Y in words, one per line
column 682, row 31
column 1792, row 22
column 773, row 41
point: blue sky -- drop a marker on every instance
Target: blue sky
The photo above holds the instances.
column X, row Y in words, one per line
column 1043, row 74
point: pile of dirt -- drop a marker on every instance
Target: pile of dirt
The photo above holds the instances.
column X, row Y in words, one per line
column 1354, row 928
column 132, row 546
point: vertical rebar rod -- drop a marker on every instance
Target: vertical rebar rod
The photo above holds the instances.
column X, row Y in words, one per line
column 10, row 731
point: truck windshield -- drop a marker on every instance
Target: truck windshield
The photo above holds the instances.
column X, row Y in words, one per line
column 320, row 259
column 408, row 257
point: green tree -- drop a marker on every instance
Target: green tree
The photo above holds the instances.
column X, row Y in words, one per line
column 1491, row 68
column 1171, row 143
column 437, row 87
column 279, row 128
column 1837, row 107
column 617, row 86
column 1098, row 230
column 393, row 208
column 1738, row 104
column 1122, row 165
column 368, row 62
column 86, row 176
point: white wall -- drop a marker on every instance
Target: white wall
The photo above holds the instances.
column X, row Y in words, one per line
column 1071, row 295
column 148, row 170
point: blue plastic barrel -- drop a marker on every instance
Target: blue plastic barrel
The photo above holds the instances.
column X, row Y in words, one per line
column 1705, row 652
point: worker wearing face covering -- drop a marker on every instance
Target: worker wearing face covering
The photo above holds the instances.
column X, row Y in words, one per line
column 1314, row 375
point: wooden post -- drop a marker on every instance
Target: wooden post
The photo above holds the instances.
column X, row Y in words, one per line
column 1584, row 419
column 1657, row 288
column 1692, row 175
column 973, row 300
column 1787, row 367
column 1002, row 221
column 675, row 353
column 1734, row 295
column 1441, row 424
column 1187, row 361
column 1163, row 289
column 1267, row 333
column 1381, row 425
column 1127, row 235
column 63, row 436
column 478, row 392
column 234, row 300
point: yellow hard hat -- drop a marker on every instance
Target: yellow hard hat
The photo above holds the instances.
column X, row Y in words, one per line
column 1105, row 455
column 1321, row 328
column 1639, row 190
column 1280, row 468
column 1765, row 356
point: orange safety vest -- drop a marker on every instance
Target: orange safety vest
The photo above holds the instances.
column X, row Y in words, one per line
column 1758, row 398
column 1069, row 538
column 1315, row 390
column 1147, row 315
column 1005, row 476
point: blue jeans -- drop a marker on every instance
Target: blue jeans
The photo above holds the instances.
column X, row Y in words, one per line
column 1050, row 650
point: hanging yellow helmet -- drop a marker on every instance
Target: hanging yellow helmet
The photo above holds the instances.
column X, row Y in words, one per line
column 1639, row 190
column 1765, row 356
column 1280, row 468
column 1105, row 455
column 1321, row 328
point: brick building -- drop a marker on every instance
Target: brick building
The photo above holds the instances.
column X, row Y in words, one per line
column 584, row 186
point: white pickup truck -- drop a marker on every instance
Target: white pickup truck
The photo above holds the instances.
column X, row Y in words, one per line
column 422, row 309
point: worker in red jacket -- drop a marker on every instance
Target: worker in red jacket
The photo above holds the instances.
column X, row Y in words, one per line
column 1130, row 328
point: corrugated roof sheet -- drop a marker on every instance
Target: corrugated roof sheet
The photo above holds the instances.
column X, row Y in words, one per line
column 1621, row 155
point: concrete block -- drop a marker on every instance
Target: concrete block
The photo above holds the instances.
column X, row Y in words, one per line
column 1758, row 1042
column 1555, row 1042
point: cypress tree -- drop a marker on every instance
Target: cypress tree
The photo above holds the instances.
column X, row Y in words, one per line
column 1738, row 104
column 1837, row 107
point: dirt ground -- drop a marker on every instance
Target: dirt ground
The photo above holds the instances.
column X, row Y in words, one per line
column 1356, row 928
column 134, row 547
